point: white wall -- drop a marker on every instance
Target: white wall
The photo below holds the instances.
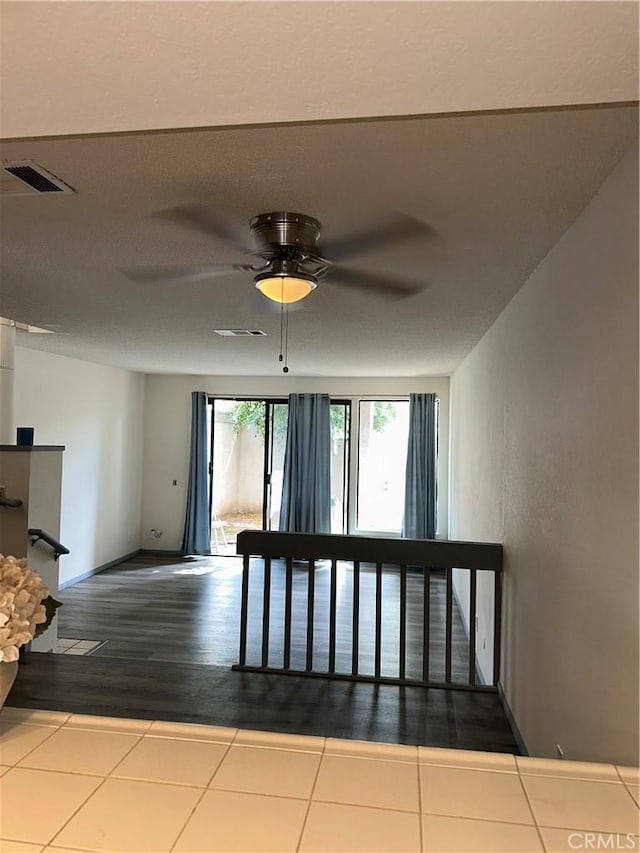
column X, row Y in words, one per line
column 545, row 459
column 157, row 65
column 167, row 431
column 238, row 461
column 96, row 412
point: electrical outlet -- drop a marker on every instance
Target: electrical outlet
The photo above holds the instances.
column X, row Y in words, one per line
column 559, row 751
column 155, row 532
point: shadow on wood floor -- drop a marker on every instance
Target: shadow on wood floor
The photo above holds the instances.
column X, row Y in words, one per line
column 195, row 693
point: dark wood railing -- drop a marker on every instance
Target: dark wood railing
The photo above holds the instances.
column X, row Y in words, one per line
column 36, row 534
column 291, row 631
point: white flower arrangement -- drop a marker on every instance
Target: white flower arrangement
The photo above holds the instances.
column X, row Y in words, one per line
column 26, row 607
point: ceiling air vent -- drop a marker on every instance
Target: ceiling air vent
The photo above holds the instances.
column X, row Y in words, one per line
column 240, row 333
column 26, row 178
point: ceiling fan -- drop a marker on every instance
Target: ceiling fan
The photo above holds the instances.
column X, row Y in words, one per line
column 288, row 262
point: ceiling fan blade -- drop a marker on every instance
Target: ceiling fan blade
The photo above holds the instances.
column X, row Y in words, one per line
column 380, row 285
column 181, row 272
column 212, row 221
column 389, row 231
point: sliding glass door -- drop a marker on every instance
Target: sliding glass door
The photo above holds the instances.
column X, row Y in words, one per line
column 382, row 457
column 248, row 440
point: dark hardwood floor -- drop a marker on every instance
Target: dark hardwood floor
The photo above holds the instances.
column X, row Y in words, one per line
column 172, row 629
column 195, row 693
column 189, row 611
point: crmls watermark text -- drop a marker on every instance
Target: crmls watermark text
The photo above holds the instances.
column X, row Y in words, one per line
column 602, row 841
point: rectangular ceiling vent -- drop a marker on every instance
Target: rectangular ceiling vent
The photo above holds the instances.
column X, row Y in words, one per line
column 240, row 333
column 27, row 178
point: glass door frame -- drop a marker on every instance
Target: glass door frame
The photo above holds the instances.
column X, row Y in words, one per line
column 346, row 460
column 270, row 402
column 354, row 468
column 354, row 472
column 267, row 455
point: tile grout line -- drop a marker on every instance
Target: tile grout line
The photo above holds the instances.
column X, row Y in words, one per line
column 635, row 802
column 6, row 714
column 106, row 729
column 84, row 802
column 83, row 772
column 27, row 754
column 110, row 773
column 311, row 793
column 197, row 803
column 201, row 797
column 420, row 806
column 626, row 784
column 533, row 814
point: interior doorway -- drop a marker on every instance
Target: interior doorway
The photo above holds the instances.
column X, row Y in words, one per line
column 246, row 461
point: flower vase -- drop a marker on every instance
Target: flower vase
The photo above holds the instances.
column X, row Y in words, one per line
column 8, row 672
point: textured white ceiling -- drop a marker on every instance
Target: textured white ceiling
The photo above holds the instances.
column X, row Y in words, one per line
column 85, row 67
column 500, row 189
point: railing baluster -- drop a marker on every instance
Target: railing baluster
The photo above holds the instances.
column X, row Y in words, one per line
column 286, row 657
column 266, row 602
column 310, row 599
column 472, row 627
column 378, row 620
column 402, row 662
column 355, row 618
column 333, row 598
column 426, row 621
column 448, row 626
column 242, row 656
column 497, row 605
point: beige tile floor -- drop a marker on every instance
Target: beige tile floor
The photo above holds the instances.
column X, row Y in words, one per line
column 79, row 783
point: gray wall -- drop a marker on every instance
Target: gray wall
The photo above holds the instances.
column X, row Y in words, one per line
column 545, row 458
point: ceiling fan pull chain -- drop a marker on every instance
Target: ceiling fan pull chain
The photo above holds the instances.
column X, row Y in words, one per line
column 284, row 336
column 281, row 357
column 285, row 369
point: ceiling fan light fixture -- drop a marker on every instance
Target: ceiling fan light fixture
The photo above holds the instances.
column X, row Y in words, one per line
column 285, row 288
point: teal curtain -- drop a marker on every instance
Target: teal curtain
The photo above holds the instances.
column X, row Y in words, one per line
column 197, row 527
column 306, row 485
column 420, row 485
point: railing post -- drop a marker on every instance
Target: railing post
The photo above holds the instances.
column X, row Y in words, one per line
column 242, row 656
column 266, row 601
column 448, row 626
column 355, row 618
column 472, row 627
column 497, row 623
column 286, row 657
column 402, row 662
column 310, row 600
column 333, row 598
column 378, row 646
column 426, row 620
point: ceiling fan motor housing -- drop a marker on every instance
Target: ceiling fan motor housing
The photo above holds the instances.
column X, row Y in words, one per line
column 286, row 230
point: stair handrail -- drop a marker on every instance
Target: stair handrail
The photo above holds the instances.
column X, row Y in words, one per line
column 36, row 534
column 9, row 503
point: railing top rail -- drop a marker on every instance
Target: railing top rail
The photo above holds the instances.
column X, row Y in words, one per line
column 434, row 553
